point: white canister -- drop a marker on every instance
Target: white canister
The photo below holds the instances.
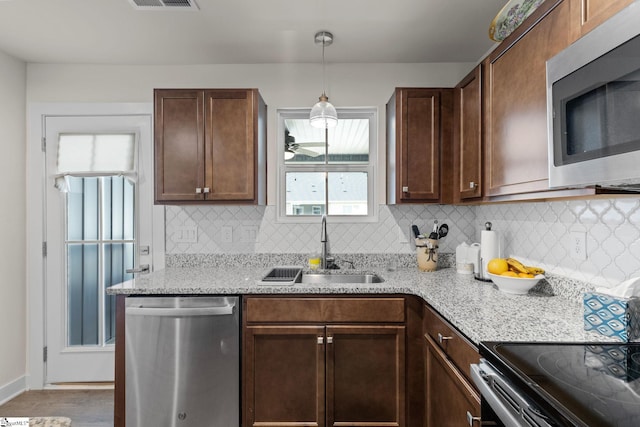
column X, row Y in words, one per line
column 473, row 257
column 462, row 264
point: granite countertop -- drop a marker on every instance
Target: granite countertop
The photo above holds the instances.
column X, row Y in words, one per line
column 478, row 309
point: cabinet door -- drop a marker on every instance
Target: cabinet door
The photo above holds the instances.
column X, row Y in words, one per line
column 468, row 136
column 418, row 149
column 449, row 397
column 231, row 144
column 516, row 106
column 595, row 12
column 179, row 145
column 284, row 376
column 365, row 375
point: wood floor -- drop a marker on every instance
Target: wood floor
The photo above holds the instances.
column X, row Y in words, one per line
column 86, row 408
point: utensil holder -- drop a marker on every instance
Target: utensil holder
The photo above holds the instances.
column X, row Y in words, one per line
column 427, row 254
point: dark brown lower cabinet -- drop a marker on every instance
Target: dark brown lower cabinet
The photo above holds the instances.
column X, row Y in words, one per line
column 324, row 375
column 451, row 401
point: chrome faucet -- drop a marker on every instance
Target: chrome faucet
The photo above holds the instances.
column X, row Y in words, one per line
column 323, row 241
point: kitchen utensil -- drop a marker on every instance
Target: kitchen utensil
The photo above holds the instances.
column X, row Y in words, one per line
column 443, row 230
column 434, row 233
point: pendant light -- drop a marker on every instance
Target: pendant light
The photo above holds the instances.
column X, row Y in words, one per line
column 323, row 114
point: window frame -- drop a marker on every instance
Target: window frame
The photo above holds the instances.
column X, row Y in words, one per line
column 369, row 113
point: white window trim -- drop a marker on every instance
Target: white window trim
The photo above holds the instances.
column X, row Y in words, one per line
column 370, row 168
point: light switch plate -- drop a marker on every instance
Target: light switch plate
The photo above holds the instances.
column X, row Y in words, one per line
column 186, row 234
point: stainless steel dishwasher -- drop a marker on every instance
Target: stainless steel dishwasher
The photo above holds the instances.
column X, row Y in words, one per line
column 182, row 361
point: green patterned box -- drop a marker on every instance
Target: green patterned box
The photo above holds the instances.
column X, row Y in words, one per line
column 612, row 316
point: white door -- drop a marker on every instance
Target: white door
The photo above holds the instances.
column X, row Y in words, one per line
column 99, row 201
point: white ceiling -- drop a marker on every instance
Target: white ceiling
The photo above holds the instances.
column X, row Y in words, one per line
column 247, row 31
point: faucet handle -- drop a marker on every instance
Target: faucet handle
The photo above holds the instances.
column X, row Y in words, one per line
column 331, row 263
column 351, row 265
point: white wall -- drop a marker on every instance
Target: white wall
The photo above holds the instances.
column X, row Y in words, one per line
column 12, row 226
column 281, row 86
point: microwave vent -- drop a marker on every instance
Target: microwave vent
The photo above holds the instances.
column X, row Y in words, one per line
column 164, row 4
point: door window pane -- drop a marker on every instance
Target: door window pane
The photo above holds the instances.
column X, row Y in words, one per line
column 82, row 209
column 100, row 246
column 83, row 294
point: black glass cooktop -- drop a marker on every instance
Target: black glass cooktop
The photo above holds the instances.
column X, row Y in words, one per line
column 593, row 384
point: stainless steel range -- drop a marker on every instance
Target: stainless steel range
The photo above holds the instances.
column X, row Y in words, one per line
column 558, row 384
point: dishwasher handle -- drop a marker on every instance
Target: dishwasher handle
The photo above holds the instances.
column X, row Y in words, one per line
column 225, row 310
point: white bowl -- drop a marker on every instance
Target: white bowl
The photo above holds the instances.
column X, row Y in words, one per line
column 515, row 285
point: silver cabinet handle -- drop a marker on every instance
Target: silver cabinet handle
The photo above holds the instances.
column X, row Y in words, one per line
column 320, row 340
column 206, row 190
column 198, row 190
column 329, row 340
column 405, row 189
column 144, row 268
column 471, row 419
column 442, row 338
column 473, row 185
column 180, row 312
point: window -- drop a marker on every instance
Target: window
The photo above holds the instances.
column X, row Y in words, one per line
column 327, row 171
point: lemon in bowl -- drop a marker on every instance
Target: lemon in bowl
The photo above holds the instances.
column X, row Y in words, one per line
column 515, row 284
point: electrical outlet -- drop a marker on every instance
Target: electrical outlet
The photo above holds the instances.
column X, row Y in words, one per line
column 578, row 245
column 226, row 234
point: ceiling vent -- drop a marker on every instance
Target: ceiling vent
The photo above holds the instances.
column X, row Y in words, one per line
column 164, row 4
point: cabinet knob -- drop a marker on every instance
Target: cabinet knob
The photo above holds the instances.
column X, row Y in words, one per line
column 206, row 190
column 471, row 419
column 329, row 340
column 320, row 340
column 198, row 190
column 473, row 185
column 405, row 189
column 442, row 338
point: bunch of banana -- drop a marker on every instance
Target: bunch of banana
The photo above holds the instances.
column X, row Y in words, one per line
column 518, row 267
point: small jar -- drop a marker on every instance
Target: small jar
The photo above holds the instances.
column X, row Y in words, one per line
column 314, row 262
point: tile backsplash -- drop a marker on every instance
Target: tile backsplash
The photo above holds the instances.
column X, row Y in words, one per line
column 539, row 233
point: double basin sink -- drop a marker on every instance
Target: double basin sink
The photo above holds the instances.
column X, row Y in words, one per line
column 279, row 275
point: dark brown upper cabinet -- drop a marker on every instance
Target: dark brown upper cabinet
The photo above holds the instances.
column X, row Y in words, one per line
column 210, row 146
column 467, row 137
column 419, row 146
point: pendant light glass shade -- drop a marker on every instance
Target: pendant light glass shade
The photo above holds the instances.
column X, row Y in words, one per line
column 323, row 114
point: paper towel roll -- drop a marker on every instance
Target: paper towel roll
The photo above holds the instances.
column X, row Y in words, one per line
column 489, row 247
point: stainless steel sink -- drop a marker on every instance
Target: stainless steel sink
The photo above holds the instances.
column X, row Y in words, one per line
column 318, row 278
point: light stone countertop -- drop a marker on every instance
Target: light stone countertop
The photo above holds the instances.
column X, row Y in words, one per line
column 478, row 309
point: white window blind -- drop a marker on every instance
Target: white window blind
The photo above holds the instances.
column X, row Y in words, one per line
column 91, row 154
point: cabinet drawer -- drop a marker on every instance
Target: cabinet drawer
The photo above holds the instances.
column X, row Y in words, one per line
column 461, row 352
column 325, row 310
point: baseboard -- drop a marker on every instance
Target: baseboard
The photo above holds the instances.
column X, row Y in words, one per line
column 10, row 390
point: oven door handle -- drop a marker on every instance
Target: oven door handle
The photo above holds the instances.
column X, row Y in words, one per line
column 478, row 374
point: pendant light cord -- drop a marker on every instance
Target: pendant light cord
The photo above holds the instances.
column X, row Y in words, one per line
column 324, row 70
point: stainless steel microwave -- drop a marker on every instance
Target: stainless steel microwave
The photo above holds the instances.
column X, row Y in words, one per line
column 593, row 107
